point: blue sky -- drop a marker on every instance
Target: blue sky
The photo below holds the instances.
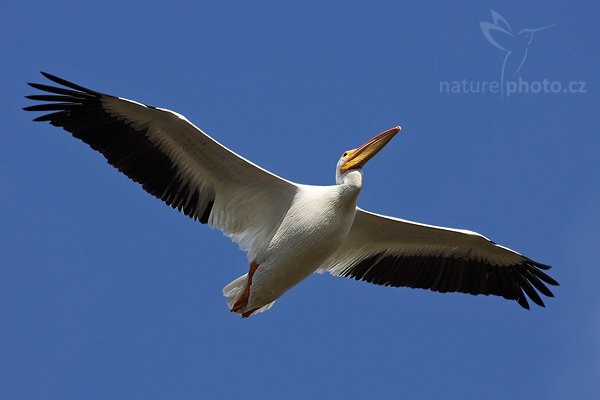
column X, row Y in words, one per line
column 107, row 293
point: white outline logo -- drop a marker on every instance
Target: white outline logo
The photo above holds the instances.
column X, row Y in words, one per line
column 500, row 35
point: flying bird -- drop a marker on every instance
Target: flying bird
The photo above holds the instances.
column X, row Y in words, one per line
column 288, row 230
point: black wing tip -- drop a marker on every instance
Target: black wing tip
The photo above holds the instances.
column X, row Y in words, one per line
column 523, row 303
column 67, row 83
column 537, row 269
column 539, row 265
column 533, row 281
column 55, row 78
column 62, row 98
column 533, row 275
column 49, row 75
column 552, row 282
column 66, row 87
column 523, row 282
column 42, row 118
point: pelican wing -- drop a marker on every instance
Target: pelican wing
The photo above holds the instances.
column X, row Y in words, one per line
column 395, row 252
column 172, row 160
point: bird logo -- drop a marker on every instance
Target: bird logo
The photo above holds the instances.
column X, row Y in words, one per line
column 516, row 45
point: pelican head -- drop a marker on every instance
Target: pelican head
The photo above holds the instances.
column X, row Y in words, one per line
column 357, row 158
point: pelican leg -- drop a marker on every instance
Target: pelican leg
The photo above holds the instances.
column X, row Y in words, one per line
column 242, row 301
column 249, row 313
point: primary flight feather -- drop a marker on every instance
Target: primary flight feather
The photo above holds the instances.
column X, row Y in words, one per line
column 288, row 230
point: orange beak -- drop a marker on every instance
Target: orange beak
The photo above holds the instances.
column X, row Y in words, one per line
column 364, row 153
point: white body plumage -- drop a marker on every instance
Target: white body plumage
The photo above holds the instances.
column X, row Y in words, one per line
column 315, row 225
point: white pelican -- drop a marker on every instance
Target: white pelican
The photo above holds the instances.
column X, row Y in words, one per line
column 288, row 230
